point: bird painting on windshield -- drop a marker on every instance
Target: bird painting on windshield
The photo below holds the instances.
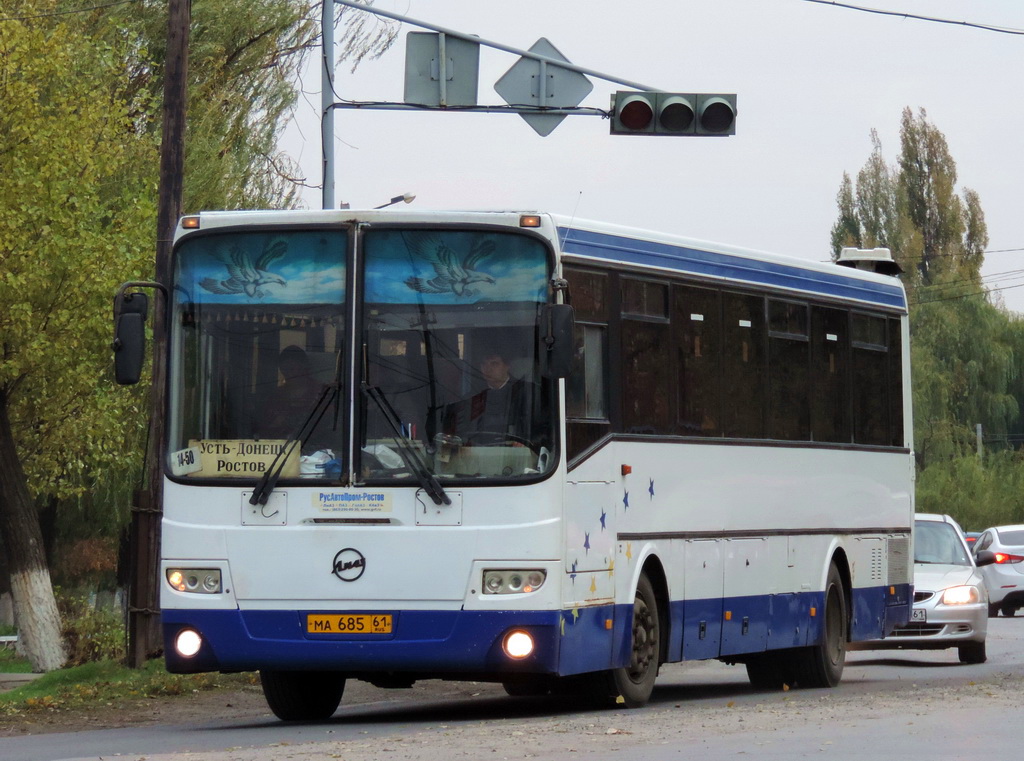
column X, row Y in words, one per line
column 245, row 275
column 453, row 273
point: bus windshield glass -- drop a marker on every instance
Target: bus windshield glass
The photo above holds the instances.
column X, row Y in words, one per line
column 450, row 379
column 256, row 374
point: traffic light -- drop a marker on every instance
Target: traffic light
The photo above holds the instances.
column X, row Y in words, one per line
column 668, row 113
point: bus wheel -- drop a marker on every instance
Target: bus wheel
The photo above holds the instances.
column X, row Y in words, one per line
column 302, row 695
column 821, row 665
column 635, row 682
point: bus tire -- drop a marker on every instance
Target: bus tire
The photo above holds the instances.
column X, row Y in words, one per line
column 635, row 683
column 302, row 695
column 821, row 665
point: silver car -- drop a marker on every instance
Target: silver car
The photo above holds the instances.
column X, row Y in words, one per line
column 950, row 601
column 1004, row 577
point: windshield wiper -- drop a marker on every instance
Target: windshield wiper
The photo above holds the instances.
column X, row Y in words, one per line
column 410, row 455
column 266, row 484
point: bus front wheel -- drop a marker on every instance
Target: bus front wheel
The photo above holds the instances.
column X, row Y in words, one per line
column 302, row 695
column 635, row 682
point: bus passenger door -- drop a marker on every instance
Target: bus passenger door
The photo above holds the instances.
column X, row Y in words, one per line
column 703, row 585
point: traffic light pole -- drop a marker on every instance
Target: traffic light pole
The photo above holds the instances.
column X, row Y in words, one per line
column 329, row 104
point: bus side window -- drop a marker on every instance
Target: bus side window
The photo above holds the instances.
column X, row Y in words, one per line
column 646, row 357
column 587, row 386
column 697, row 324
column 895, row 383
column 743, row 366
column 789, row 416
column 870, row 380
column 830, row 375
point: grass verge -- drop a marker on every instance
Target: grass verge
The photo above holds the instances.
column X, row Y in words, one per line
column 109, row 682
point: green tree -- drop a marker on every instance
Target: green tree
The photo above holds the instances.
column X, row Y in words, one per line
column 79, row 135
column 965, row 350
column 67, row 224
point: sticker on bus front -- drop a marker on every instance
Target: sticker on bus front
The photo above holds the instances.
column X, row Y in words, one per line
column 352, row 502
column 186, row 461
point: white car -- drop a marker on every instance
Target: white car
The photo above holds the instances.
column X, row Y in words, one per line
column 1004, row 577
column 950, row 600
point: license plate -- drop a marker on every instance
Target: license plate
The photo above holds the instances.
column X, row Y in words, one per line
column 349, row 623
column 919, row 614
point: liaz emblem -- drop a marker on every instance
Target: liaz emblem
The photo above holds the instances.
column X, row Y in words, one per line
column 349, row 564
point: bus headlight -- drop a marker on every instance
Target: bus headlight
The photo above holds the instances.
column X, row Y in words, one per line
column 199, row 580
column 511, row 582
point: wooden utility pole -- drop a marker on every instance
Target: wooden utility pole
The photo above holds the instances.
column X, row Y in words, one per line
column 144, row 636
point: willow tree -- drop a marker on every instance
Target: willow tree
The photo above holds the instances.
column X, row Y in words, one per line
column 66, row 221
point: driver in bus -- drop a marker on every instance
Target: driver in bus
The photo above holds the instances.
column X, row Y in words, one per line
column 293, row 399
column 499, row 414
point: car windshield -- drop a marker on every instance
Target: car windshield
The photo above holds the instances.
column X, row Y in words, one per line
column 938, row 542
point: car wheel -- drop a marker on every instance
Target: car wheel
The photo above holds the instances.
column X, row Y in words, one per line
column 993, row 610
column 302, row 695
column 1008, row 610
column 972, row 652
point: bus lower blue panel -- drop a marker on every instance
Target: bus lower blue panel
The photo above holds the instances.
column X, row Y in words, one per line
column 594, row 639
column 422, row 641
column 567, row 642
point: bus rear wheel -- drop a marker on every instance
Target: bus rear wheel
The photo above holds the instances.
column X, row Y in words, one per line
column 635, row 682
column 302, row 695
column 821, row 665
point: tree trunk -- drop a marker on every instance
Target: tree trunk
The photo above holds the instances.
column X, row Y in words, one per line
column 35, row 609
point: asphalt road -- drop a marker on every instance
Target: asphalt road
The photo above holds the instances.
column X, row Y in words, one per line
column 891, row 704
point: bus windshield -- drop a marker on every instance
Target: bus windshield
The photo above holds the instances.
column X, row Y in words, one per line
column 451, row 383
column 257, row 330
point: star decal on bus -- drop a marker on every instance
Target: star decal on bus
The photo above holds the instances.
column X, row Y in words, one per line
column 586, row 542
column 625, row 499
column 650, row 489
column 604, row 517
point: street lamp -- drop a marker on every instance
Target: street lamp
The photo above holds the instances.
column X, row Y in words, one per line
column 404, row 198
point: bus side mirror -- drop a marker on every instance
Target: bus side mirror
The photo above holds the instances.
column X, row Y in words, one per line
column 129, row 337
column 559, row 328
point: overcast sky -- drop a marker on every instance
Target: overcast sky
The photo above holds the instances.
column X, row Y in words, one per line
column 812, row 81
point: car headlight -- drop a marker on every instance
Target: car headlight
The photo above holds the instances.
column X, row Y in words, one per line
column 511, row 582
column 960, row 596
column 199, row 580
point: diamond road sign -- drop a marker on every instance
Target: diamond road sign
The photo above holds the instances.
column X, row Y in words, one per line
column 524, row 85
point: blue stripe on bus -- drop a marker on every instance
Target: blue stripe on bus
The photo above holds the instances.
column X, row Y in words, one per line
column 567, row 642
column 731, row 267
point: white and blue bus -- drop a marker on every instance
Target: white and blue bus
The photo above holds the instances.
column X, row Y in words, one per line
column 513, row 447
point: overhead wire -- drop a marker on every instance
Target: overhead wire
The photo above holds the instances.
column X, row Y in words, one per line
column 918, row 17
